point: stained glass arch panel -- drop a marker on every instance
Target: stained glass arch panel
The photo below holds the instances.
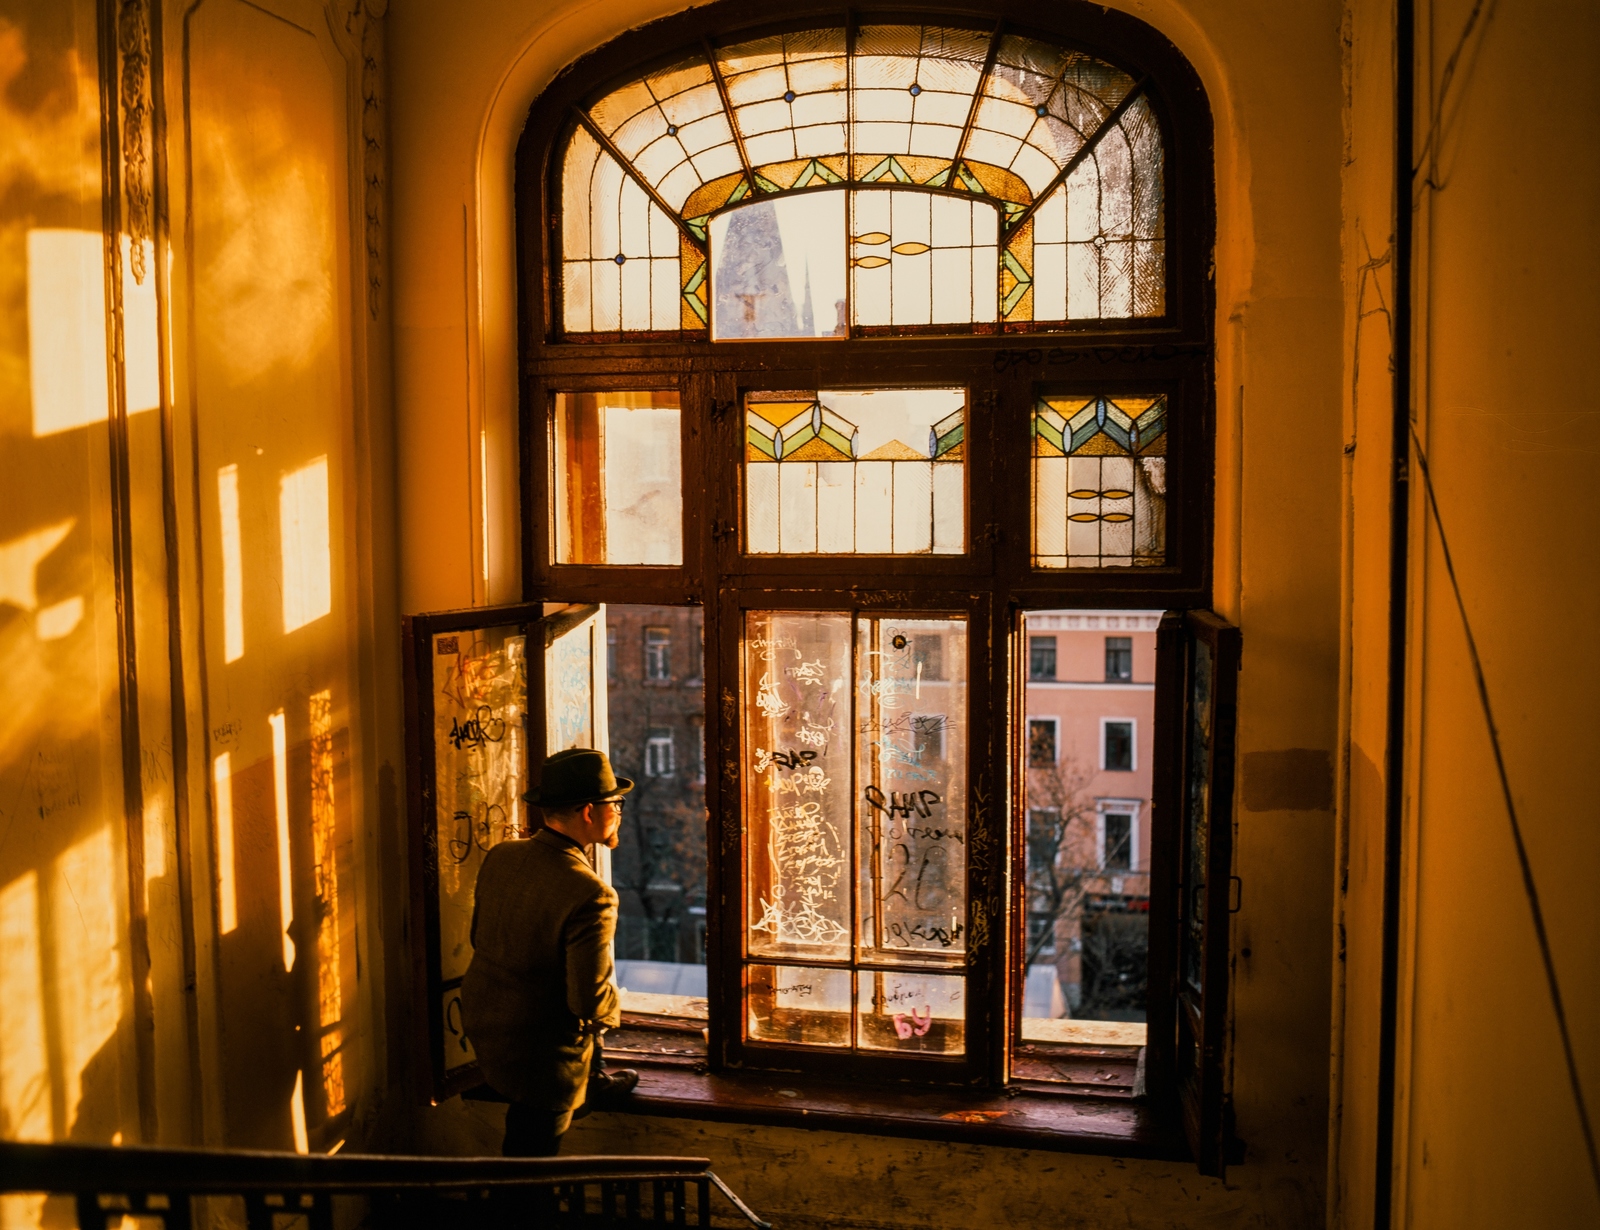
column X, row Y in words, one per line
column 1046, row 161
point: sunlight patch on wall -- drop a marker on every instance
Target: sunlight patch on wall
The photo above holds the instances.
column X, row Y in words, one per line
column 24, row 1062
column 323, row 839
column 280, row 793
column 59, row 619
column 232, row 564
column 307, row 547
column 227, row 889
column 67, row 331
column 20, row 559
column 88, row 963
column 297, row 1114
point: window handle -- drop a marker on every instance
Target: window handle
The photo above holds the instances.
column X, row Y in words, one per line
column 1235, row 894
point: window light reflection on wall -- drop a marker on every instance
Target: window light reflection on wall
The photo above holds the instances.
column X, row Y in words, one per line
column 88, row 965
column 330, row 1000
column 227, row 889
column 232, row 564
column 67, row 331
column 306, row 544
column 280, row 794
column 24, row 1061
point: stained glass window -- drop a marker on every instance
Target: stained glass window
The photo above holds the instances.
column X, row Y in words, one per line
column 875, row 472
column 1099, row 481
column 855, row 778
column 1012, row 182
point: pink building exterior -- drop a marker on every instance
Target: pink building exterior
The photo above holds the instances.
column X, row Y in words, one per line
column 1090, row 721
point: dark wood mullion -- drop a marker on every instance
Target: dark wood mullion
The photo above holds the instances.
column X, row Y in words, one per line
column 989, row 851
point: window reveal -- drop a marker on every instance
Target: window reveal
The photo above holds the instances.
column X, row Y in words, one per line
column 856, row 805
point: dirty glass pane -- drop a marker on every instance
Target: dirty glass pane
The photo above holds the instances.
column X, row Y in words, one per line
column 903, row 1010
column 616, row 478
column 796, row 1004
column 797, row 781
column 1197, row 820
column 911, row 744
column 777, row 268
column 855, row 767
column 862, row 472
column 1099, row 481
column 480, row 697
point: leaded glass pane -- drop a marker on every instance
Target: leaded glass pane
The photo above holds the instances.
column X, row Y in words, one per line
column 859, row 472
column 1099, row 482
column 797, row 117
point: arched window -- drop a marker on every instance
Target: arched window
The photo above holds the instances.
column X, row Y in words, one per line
column 834, row 181
column 847, row 343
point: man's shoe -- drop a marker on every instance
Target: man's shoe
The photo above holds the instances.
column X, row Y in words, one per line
column 605, row 1086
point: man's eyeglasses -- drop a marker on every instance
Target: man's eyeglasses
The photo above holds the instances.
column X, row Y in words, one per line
column 619, row 804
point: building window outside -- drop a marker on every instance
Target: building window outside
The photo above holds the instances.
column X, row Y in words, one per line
column 1116, row 841
column 927, row 738
column 1116, row 745
column 1041, row 743
column 658, row 654
column 611, row 653
column 659, row 757
column 1041, row 657
column 1119, row 659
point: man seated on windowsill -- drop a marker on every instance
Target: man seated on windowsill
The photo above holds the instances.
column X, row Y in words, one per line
column 540, row 990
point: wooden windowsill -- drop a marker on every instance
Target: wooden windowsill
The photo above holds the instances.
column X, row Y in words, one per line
column 1086, row 1105
column 1019, row 1117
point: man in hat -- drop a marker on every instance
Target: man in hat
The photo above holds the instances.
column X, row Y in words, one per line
column 539, row 991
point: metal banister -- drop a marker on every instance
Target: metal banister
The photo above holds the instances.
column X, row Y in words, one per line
column 108, row 1181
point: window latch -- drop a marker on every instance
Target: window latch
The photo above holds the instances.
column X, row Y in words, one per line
column 1235, row 894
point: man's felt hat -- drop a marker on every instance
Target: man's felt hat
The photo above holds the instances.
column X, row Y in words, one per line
column 577, row 776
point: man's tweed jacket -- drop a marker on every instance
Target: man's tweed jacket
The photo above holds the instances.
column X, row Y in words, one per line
column 541, row 975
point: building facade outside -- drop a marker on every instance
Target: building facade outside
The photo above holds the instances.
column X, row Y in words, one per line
column 1090, row 715
column 656, row 711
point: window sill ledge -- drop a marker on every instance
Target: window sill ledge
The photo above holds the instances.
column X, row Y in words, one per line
column 1018, row 1118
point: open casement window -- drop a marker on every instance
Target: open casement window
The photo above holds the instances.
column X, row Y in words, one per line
column 1197, row 705
column 489, row 694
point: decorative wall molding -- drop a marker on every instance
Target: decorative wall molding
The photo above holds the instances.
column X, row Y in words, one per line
column 363, row 30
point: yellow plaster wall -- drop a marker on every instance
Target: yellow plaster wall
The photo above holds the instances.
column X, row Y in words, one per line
column 1486, row 1125
column 463, row 76
column 1508, row 318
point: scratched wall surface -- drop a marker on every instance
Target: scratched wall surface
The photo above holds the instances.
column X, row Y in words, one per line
column 66, row 1002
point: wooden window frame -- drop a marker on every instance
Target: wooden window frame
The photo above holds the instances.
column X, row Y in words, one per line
column 993, row 583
